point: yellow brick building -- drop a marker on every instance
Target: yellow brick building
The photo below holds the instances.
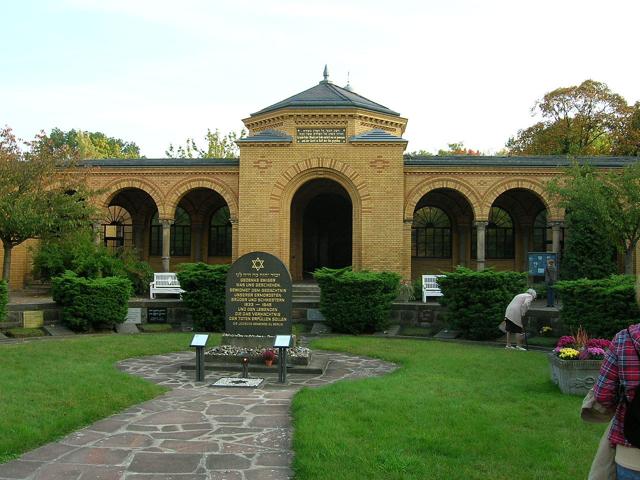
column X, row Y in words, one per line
column 322, row 180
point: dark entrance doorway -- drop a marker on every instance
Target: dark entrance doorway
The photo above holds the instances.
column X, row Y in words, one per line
column 322, row 222
column 326, row 232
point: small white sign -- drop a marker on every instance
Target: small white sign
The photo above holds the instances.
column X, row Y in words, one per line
column 199, row 340
column 282, row 341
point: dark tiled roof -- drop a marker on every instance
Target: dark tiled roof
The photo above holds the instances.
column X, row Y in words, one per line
column 533, row 161
column 327, row 95
column 267, row 136
column 161, row 162
column 377, row 135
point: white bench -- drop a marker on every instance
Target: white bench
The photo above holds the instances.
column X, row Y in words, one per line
column 165, row 283
column 430, row 287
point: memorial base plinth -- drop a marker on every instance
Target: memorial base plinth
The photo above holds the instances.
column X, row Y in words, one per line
column 250, row 341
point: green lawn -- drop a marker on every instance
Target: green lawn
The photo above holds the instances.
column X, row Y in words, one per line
column 451, row 411
column 52, row 387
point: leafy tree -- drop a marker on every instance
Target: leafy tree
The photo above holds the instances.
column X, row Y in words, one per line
column 606, row 205
column 218, row 146
column 588, row 119
column 37, row 199
column 627, row 142
column 458, row 149
column 85, row 145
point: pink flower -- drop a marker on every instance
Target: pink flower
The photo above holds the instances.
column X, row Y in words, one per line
column 601, row 343
column 595, row 353
column 566, row 341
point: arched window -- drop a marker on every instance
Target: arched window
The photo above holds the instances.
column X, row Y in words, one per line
column 431, row 233
column 180, row 235
column 117, row 229
column 220, row 233
column 499, row 239
column 541, row 234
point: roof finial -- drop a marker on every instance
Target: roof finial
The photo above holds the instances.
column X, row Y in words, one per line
column 348, row 85
column 325, row 74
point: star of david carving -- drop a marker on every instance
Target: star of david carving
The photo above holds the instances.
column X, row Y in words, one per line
column 258, row 264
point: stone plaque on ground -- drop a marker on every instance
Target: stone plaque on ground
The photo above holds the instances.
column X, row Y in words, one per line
column 32, row 318
column 238, row 382
column 320, row 328
column 258, row 296
column 134, row 315
column 447, row 334
column 127, row 328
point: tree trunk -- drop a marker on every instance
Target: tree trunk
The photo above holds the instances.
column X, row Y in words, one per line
column 6, row 266
column 628, row 261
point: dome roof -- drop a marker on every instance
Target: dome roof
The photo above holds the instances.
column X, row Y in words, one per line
column 327, row 95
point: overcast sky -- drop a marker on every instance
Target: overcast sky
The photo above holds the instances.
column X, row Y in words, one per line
column 156, row 71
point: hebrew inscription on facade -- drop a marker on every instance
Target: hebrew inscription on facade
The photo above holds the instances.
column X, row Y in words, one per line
column 321, row 135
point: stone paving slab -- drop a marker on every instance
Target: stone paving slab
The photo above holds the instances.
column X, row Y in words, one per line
column 193, row 432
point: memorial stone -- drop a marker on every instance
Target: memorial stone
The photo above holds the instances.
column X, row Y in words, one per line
column 258, row 296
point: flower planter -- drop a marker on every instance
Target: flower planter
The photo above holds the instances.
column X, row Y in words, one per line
column 574, row 377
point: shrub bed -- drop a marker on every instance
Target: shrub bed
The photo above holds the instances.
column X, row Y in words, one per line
column 602, row 307
column 155, row 327
column 204, row 295
column 79, row 253
column 24, row 332
column 356, row 302
column 4, row 299
column 91, row 303
column 476, row 301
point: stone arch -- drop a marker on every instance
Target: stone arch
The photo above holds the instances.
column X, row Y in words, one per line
column 146, row 186
column 424, row 187
column 175, row 195
column 320, row 167
column 538, row 188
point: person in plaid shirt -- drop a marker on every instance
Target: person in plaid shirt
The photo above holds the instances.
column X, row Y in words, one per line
column 621, row 366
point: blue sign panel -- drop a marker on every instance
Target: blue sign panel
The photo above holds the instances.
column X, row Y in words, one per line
column 538, row 261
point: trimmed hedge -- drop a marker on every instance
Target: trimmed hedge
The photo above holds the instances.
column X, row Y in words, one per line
column 602, row 307
column 476, row 301
column 356, row 302
column 4, row 299
column 204, row 295
column 91, row 303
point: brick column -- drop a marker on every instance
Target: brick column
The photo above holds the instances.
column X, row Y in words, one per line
column 555, row 232
column 480, row 228
column 406, row 245
column 166, row 245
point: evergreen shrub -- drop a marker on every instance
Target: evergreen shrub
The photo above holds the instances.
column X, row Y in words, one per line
column 476, row 301
column 4, row 299
column 204, row 295
column 588, row 251
column 356, row 302
column 91, row 303
column 79, row 253
column 602, row 307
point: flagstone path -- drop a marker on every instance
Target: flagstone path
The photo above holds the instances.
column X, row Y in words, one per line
column 193, row 432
